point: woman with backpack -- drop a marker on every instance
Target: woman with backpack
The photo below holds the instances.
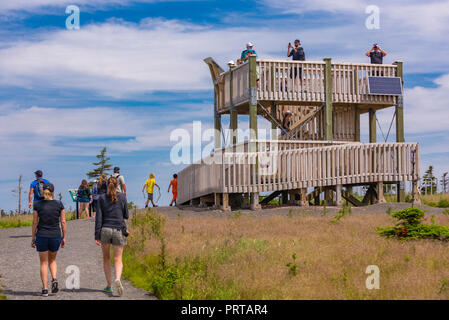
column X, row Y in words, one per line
column 84, row 197
column 47, row 236
column 110, row 229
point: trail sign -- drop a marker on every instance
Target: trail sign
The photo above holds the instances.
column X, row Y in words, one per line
column 73, row 193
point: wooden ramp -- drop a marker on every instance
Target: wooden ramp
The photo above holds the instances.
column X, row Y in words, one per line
column 296, row 166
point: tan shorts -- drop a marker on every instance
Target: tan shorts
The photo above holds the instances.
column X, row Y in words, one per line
column 112, row 236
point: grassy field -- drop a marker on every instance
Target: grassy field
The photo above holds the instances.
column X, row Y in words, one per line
column 25, row 220
column 294, row 257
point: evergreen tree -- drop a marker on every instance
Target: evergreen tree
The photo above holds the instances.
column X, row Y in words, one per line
column 102, row 166
column 429, row 184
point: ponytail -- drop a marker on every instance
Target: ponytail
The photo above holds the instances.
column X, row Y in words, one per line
column 48, row 195
column 112, row 189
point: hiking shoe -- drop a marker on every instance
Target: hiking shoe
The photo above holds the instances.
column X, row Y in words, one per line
column 108, row 289
column 54, row 286
column 119, row 287
column 44, row 292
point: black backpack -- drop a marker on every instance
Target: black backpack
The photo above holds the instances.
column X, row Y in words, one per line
column 39, row 189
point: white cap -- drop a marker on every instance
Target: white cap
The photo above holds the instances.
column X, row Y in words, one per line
column 288, row 112
column 249, row 44
column 231, row 62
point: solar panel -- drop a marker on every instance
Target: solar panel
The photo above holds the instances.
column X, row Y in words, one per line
column 385, row 86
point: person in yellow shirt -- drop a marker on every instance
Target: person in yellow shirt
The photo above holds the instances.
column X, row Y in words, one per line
column 149, row 186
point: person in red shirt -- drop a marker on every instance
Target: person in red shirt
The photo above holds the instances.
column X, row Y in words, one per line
column 174, row 189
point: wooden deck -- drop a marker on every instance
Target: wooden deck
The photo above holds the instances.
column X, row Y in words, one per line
column 289, row 165
column 278, row 83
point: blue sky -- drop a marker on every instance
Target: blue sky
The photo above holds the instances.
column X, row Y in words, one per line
column 133, row 72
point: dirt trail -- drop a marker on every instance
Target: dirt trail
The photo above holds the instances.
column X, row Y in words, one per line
column 19, row 266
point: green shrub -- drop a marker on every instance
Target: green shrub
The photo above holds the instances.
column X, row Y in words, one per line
column 410, row 226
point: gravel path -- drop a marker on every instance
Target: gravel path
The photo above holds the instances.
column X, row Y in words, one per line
column 19, row 266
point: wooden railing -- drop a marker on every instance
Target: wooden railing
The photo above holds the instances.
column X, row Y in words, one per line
column 277, row 82
column 286, row 169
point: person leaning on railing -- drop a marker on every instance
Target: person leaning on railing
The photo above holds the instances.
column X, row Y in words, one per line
column 245, row 56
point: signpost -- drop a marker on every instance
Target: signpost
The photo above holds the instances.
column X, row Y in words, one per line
column 73, row 193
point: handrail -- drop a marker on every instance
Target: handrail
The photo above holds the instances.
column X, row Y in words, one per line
column 303, row 81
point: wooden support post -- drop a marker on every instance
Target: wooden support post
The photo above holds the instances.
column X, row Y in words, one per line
column 255, row 201
column 316, row 198
column 303, row 201
column 328, row 125
column 372, row 126
column 217, row 125
column 253, row 124
column 226, row 206
column 329, row 196
column 400, row 127
column 380, row 192
column 415, row 194
column 338, row 197
column 233, row 113
column 357, row 123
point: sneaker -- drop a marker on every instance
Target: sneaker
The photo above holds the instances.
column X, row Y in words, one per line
column 155, row 206
column 108, row 289
column 146, row 206
column 44, row 292
column 54, row 286
column 119, row 287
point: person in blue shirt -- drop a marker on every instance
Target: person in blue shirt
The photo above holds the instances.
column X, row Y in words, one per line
column 36, row 189
column 246, row 53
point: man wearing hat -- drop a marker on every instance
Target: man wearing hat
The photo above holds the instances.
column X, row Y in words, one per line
column 36, row 193
column 120, row 180
column 246, row 53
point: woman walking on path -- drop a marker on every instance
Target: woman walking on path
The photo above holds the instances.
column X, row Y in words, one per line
column 46, row 235
column 110, row 228
column 84, row 197
column 102, row 184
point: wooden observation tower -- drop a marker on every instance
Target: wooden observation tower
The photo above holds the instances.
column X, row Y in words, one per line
column 322, row 152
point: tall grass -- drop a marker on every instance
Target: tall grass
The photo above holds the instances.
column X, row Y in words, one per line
column 294, row 257
column 25, row 220
column 436, row 200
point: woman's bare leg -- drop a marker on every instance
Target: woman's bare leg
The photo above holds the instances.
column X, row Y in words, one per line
column 118, row 263
column 52, row 264
column 43, row 257
column 107, row 263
